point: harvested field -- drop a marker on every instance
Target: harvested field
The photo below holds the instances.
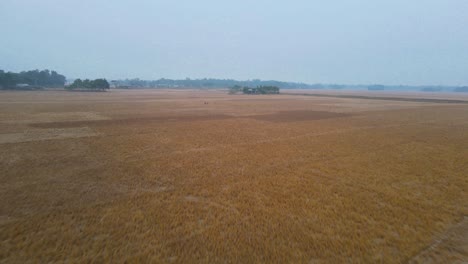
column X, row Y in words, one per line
column 186, row 176
column 46, row 134
column 294, row 116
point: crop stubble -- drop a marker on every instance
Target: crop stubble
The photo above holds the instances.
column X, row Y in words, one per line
column 204, row 176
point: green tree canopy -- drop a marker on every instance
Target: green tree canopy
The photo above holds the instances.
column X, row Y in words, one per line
column 90, row 85
column 34, row 78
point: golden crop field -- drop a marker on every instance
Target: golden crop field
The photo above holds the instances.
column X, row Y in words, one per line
column 183, row 176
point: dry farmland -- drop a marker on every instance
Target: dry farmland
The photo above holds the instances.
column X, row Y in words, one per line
column 203, row 176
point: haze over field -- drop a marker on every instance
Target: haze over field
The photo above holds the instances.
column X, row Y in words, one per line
column 353, row 42
column 150, row 131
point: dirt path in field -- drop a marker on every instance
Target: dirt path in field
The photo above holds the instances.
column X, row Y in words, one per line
column 450, row 247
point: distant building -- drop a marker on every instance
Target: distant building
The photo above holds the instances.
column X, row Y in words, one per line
column 113, row 84
column 250, row 90
column 25, row 86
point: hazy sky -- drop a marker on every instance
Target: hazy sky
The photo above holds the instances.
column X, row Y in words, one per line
column 334, row 41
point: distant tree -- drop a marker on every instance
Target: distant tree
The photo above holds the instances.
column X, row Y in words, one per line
column 100, row 84
column 2, row 74
column 44, row 77
column 57, row 79
column 10, row 80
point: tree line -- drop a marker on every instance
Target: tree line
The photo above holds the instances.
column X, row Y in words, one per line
column 208, row 83
column 211, row 83
column 37, row 79
column 89, row 85
column 34, row 79
column 463, row 89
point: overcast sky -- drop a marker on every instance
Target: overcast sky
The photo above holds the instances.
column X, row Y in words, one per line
column 335, row 41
